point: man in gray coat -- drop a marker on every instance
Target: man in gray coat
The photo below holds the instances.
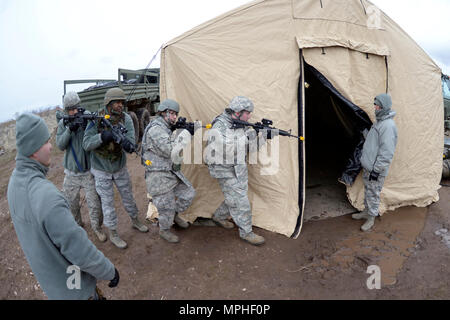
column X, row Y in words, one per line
column 77, row 165
column 376, row 158
column 63, row 259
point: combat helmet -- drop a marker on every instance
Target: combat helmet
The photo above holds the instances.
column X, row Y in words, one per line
column 240, row 103
column 114, row 94
column 71, row 100
column 169, row 104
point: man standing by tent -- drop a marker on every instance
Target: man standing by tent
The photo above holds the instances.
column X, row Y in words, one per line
column 171, row 191
column 69, row 138
column 376, row 158
column 233, row 177
column 54, row 245
column 108, row 163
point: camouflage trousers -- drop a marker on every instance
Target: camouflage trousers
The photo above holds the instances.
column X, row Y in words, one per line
column 170, row 203
column 372, row 191
column 104, row 185
column 236, row 204
column 71, row 188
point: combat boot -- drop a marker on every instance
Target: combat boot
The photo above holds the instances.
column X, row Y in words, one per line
column 168, row 236
column 99, row 233
column 223, row 223
column 115, row 239
column 368, row 224
column 180, row 222
column 361, row 215
column 253, row 239
column 139, row 225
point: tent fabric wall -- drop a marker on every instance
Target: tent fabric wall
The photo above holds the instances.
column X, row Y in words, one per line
column 254, row 51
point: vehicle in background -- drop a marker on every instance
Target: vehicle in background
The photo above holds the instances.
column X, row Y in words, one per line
column 141, row 88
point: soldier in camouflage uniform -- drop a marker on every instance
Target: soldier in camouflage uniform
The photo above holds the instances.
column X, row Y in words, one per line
column 376, row 158
column 171, row 191
column 233, row 175
column 108, row 163
column 69, row 138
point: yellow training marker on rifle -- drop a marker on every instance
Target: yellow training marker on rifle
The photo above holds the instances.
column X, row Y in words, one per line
column 208, row 126
column 148, row 163
column 302, row 138
column 107, row 116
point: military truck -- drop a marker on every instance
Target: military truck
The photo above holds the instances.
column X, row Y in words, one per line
column 141, row 88
column 446, row 94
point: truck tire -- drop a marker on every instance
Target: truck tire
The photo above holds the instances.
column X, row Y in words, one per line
column 135, row 125
column 144, row 119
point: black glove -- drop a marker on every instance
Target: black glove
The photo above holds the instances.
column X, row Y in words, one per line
column 373, row 176
column 115, row 281
column 73, row 126
column 106, row 136
column 190, row 129
column 128, row 146
column 269, row 134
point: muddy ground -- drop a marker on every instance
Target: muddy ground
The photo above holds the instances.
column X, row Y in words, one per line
column 329, row 260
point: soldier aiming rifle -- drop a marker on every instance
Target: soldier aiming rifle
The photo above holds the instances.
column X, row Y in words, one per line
column 264, row 125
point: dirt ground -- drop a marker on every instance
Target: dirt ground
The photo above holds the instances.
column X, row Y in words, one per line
column 329, row 260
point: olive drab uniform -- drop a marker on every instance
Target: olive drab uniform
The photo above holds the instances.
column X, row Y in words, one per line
column 232, row 177
column 108, row 165
column 171, row 191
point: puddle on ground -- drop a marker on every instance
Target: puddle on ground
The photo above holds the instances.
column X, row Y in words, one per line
column 387, row 245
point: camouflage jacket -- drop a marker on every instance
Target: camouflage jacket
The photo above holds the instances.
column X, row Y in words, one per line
column 107, row 157
column 227, row 148
column 158, row 143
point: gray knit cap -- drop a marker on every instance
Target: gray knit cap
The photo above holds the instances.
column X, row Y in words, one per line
column 31, row 134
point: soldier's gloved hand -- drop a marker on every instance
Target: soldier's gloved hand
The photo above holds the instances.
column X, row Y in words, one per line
column 128, row 146
column 190, row 129
column 373, row 176
column 73, row 126
column 115, row 281
column 106, row 136
column 176, row 167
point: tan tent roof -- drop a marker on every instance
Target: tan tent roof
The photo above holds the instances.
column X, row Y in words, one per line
column 258, row 50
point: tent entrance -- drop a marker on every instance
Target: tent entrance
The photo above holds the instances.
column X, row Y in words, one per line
column 333, row 128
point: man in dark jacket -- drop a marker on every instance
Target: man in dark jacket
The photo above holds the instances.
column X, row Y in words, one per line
column 63, row 259
column 376, row 158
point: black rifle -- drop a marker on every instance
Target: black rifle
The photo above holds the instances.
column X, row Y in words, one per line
column 80, row 119
column 265, row 124
column 118, row 132
column 183, row 124
column 189, row 126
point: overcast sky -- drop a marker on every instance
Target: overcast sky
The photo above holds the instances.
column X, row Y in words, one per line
column 44, row 42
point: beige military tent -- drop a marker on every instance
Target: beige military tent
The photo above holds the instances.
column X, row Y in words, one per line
column 313, row 66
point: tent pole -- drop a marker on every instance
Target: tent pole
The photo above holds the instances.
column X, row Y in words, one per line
column 301, row 147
